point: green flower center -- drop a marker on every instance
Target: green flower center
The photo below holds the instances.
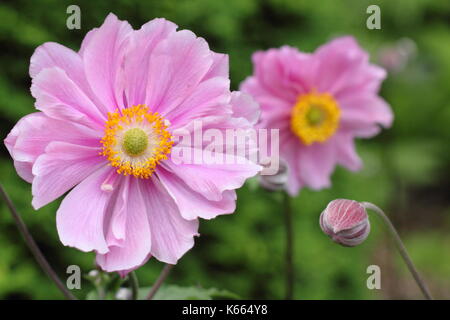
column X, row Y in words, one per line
column 315, row 115
column 135, row 142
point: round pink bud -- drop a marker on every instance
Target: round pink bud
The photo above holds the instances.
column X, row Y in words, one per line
column 346, row 222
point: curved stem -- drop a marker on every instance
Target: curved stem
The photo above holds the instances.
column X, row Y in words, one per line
column 134, row 284
column 34, row 247
column 162, row 276
column 289, row 247
column 401, row 248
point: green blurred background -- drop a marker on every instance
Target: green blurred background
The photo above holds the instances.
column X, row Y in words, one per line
column 406, row 169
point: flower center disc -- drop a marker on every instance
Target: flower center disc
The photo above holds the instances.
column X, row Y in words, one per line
column 136, row 141
column 315, row 117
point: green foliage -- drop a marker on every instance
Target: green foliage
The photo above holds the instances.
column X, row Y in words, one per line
column 405, row 171
column 173, row 292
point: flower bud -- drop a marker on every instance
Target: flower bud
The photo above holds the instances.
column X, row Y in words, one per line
column 346, row 222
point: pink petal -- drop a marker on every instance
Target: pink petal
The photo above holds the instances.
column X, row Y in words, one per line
column 346, row 152
column 117, row 211
column 177, row 66
column 172, row 236
column 136, row 245
column 60, row 168
column 124, row 273
column 363, row 113
column 31, row 135
column 283, row 72
column 209, row 98
column 193, row 205
column 24, row 170
column 344, row 69
column 244, row 106
column 144, row 42
column 80, row 218
column 268, row 102
column 289, row 152
column 60, row 98
column 343, row 214
column 366, row 79
column 219, row 67
column 316, row 164
column 211, row 180
column 103, row 57
column 51, row 54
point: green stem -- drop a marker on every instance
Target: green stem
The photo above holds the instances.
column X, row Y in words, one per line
column 163, row 275
column 401, row 248
column 289, row 255
column 134, row 284
column 37, row 253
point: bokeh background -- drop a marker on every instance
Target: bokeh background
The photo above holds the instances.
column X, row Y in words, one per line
column 406, row 169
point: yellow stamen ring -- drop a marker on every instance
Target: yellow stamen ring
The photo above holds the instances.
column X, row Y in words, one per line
column 136, row 141
column 315, row 117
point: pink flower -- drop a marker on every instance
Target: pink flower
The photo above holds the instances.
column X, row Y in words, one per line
column 320, row 102
column 346, row 222
column 107, row 114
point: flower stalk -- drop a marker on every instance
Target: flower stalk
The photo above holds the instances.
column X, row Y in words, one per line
column 134, row 285
column 288, row 220
column 401, row 248
column 162, row 276
column 37, row 253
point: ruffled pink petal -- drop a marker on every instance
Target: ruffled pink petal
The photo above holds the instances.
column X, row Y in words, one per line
column 346, row 151
column 60, row 98
column 283, row 72
column 31, row 135
column 244, row 106
column 367, row 79
column 210, row 97
column 124, row 273
column 137, row 242
column 60, row 168
column 268, row 102
column 86, row 41
column 24, row 170
column 103, row 57
column 81, row 216
column 172, row 236
column 363, row 113
column 51, row 54
column 219, row 67
column 143, row 43
column 116, row 212
column 289, row 152
column 344, row 68
column 316, row 163
column 176, row 67
column 211, row 180
column 193, row 205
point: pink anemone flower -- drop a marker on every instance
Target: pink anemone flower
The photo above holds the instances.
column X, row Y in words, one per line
column 320, row 102
column 105, row 134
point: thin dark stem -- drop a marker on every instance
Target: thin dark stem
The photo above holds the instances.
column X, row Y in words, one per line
column 163, row 275
column 401, row 248
column 134, row 284
column 33, row 246
column 289, row 246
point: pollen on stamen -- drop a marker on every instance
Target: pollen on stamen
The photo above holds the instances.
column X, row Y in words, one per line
column 136, row 141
